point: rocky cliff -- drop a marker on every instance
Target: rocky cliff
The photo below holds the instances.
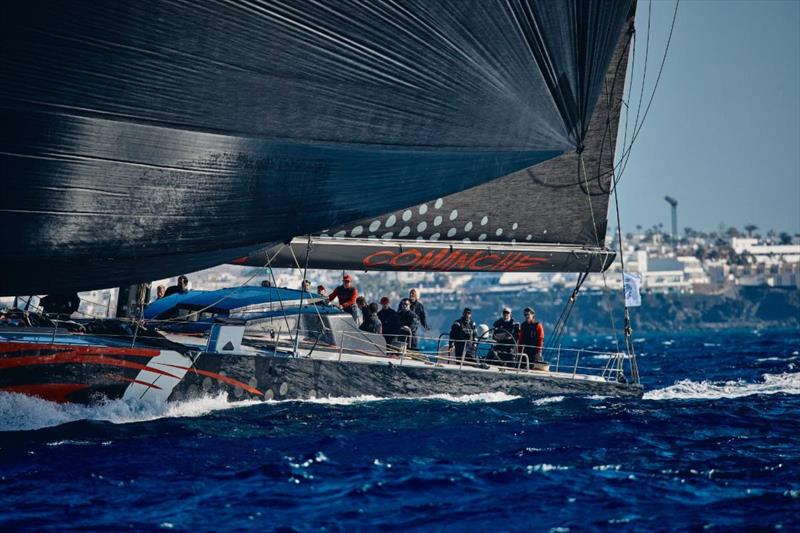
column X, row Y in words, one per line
column 749, row 307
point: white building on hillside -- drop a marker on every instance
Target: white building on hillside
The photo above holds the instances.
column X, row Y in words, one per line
column 765, row 253
column 665, row 275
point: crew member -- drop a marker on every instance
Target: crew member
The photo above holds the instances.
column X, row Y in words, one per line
column 409, row 323
column 160, row 291
column 347, row 295
column 371, row 322
column 505, row 332
column 305, row 286
column 531, row 337
column 61, row 305
column 181, row 287
column 418, row 308
column 322, row 291
column 462, row 336
column 389, row 321
column 363, row 312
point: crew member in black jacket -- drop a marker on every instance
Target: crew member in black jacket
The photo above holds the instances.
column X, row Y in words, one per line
column 418, row 308
column 371, row 322
column 531, row 336
column 409, row 323
column 505, row 334
column 389, row 321
column 462, row 336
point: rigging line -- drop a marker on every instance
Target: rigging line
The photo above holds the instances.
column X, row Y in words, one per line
column 629, row 347
column 660, row 69
column 627, row 152
column 644, row 71
column 297, row 264
column 619, row 238
column 607, row 298
column 302, row 293
column 582, row 166
column 141, row 295
column 560, row 325
column 567, row 310
column 280, row 300
column 609, row 108
column 630, row 90
column 597, row 239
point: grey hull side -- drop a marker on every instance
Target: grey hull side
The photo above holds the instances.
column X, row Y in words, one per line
column 288, row 378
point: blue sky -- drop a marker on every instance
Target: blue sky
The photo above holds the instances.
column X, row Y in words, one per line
column 723, row 133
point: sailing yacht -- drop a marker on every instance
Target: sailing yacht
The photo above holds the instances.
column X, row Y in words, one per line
column 425, row 136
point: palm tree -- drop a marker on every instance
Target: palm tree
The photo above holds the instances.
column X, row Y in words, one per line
column 750, row 228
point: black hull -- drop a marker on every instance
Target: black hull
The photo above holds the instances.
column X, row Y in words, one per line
column 89, row 374
column 289, row 378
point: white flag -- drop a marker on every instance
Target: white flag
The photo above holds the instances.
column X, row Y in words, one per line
column 632, row 283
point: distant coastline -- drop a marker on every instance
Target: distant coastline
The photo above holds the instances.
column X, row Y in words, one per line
column 743, row 307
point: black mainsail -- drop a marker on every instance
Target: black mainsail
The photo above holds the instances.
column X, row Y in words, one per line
column 143, row 139
column 550, row 217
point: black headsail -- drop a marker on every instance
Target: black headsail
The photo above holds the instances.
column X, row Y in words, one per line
column 549, row 217
column 142, row 139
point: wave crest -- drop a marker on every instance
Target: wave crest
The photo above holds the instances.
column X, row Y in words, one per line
column 485, row 397
column 19, row 412
column 786, row 383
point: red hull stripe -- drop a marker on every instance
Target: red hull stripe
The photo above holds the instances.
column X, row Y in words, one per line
column 129, row 380
column 54, row 392
column 66, row 358
column 97, row 355
column 85, row 350
column 220, row 377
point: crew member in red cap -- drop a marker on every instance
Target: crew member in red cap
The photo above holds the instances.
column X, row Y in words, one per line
column 347, row 295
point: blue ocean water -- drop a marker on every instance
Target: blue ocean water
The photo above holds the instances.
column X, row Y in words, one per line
column 715, row 443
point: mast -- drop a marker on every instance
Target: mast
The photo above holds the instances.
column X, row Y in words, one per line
column 131, row 300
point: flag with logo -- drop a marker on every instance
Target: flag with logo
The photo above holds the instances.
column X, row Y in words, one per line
column 632, row 283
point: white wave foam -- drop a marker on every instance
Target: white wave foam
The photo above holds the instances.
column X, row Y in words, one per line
column 485, row 397
column 547, row 400
column 787, row 383
column 779, row 359
column 545, row 468
column 70, row 442
column 338, row 401
column 603, row 468
column 21, row 412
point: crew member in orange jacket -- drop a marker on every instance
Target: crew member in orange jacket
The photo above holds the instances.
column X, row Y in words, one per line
column 531, row 336
column 347, row 295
